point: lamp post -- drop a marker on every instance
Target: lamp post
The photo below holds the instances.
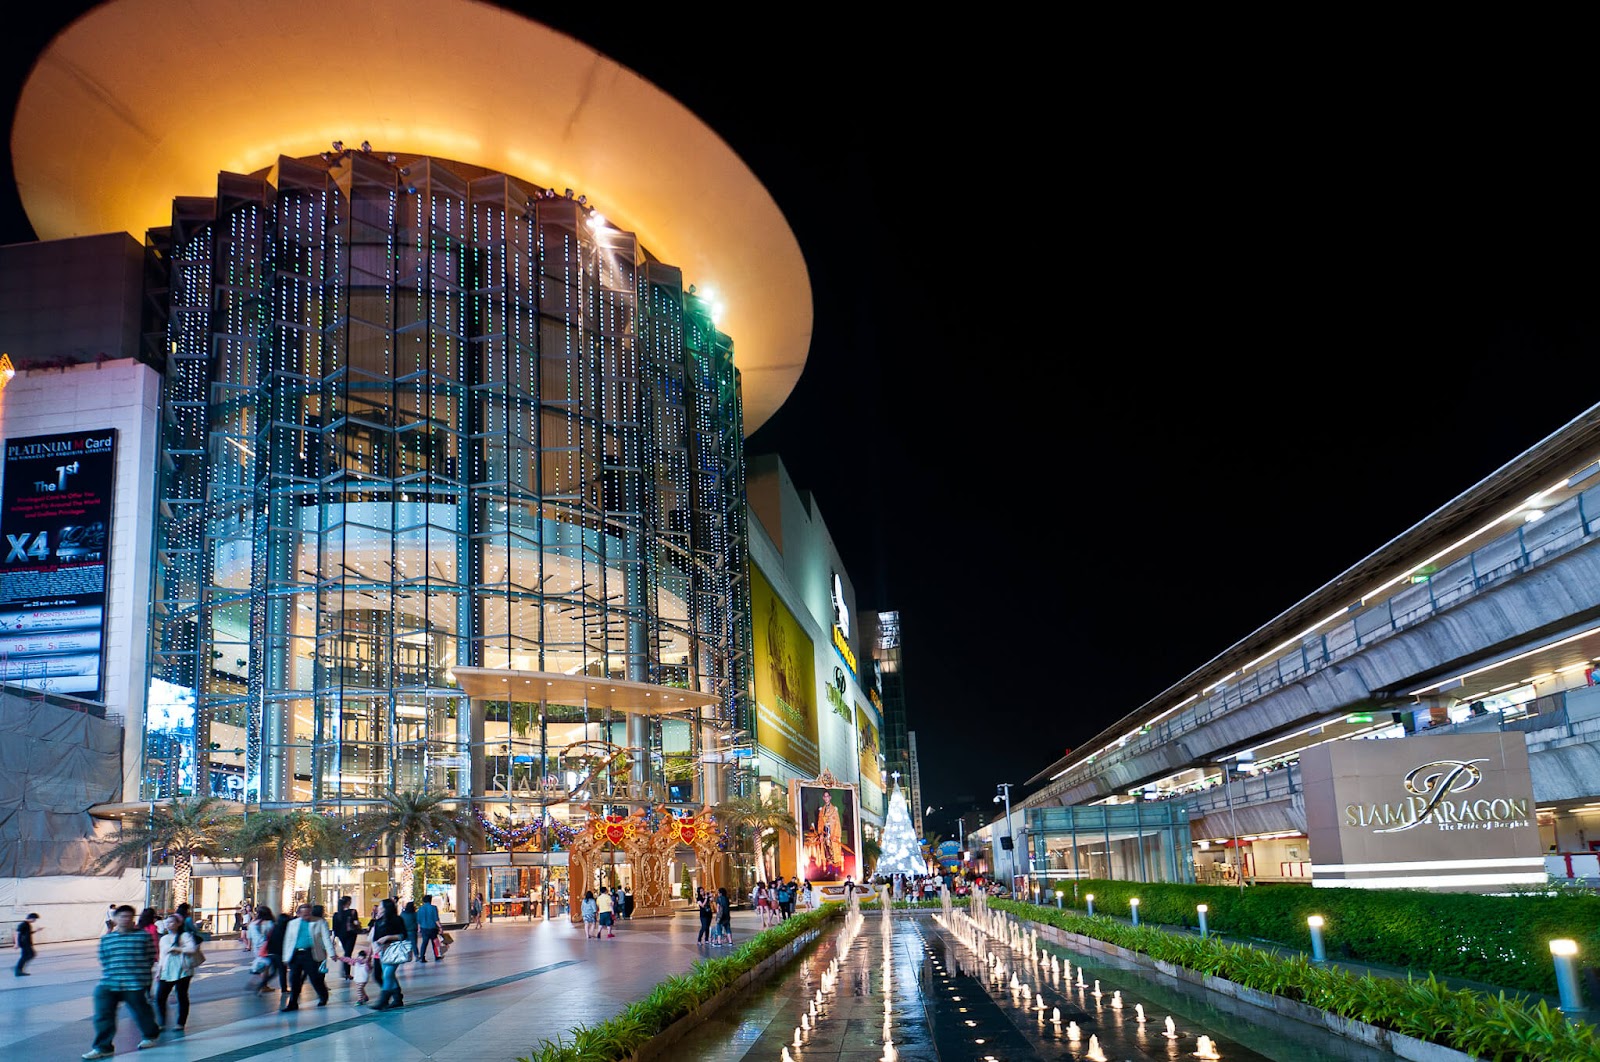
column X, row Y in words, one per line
column 1318, row 954
column 1058, row 899
column 1003, row 792
column 1565, row 954
column 1133, row 907
column 1090, row 898
column 1202, row 909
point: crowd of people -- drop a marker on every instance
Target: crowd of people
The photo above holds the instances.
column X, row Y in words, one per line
column 151, row 954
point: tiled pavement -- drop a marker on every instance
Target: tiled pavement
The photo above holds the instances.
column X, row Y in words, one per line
column 500, row 990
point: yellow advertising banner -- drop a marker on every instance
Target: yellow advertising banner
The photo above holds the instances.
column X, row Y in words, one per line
column 867, row 743
column 786, row 680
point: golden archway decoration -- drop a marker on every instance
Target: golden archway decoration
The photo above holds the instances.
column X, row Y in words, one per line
column 649, row 850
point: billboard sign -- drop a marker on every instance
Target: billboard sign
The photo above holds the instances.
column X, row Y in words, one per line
column 55, row 538
column 868, row 747
column 785, row 679
column 1451, row 812
column 831, row 832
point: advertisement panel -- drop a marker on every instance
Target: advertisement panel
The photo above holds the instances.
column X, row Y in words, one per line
column 867, row 744
column 55, row 529
column 832, row 833
column 1449, row 812
column 786, row 680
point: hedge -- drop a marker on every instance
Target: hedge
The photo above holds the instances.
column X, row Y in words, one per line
column 1484, row 1026
column 1498, row 940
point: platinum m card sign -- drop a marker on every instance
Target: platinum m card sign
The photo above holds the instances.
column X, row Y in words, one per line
column 55, row 534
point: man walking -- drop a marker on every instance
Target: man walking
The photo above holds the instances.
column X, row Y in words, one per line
column 428, row 928
column 127, row 955
column 306, row 945
column 24, row 944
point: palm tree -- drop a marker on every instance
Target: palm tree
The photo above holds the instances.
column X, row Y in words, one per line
column 182, row 830
column 287, row 837
column 412, row 819
column 752, row 817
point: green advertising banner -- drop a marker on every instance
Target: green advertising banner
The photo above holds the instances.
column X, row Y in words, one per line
column 786, row 680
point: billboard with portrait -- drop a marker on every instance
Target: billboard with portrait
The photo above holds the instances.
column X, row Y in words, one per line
column 830, row 831
column 55, row 530
column 786, row 680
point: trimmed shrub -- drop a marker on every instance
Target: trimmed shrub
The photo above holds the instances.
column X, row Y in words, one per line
column 1499, row 940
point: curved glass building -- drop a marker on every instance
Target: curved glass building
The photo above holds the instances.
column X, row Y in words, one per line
column 423, row 421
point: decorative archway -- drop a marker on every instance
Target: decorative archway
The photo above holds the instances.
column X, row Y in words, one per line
column 649, row 837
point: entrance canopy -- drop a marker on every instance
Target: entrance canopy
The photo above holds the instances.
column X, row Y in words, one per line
column 497, row 684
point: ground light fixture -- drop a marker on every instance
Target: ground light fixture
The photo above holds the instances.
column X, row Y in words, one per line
column 1090, row 898
column 1201, row 909
column 1058, row 899
column 1565, row 955
column 1318, row 954
column 1133, row 906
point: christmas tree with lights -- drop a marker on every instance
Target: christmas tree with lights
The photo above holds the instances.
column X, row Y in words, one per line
column 901, row 851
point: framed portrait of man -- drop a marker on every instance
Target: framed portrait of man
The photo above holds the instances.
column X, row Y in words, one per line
column 830, row 831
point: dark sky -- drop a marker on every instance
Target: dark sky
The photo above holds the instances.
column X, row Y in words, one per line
column 1128, row 337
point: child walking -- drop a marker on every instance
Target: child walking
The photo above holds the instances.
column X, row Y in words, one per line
column 360, row 970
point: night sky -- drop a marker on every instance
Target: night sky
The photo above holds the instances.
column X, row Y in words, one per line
column 1127, row 338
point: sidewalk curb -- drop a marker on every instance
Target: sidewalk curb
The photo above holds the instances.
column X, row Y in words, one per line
column 658, row 1045
column 1401, row 1045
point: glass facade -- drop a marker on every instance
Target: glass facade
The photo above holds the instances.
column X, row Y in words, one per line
column 1123, row 842
column 420, row 416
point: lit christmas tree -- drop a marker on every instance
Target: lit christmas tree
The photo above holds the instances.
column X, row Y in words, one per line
column 901, row 851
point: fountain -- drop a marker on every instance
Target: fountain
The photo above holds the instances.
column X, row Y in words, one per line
column 1073, row 1032
column 797, row 1039
column 1080, row 977
column 787, row 1057
column 889, row 1053
column 1055, row 1015
column 1096, row 992
column 1138, row 1012
column 1095, row 1054
column 1171, row 1035
column 1204, row 1049
column 1116, row 1000
column 805, row 1022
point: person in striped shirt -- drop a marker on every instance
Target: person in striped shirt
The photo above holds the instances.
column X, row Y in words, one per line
column 126, row 957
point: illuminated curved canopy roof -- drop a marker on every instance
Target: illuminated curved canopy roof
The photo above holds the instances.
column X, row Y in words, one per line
column 141, row 101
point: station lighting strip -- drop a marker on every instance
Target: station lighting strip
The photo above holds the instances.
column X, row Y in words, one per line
column 1529, row 507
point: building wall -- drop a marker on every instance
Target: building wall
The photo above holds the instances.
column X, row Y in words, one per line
column 71, row 301
column 121, row 394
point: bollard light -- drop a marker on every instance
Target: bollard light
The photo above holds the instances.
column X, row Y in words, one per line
column 1565, row 954
column 1090, row 898
column 1202, row 909
column 1058, row 899
column 1133, row 905
column 1317, row 952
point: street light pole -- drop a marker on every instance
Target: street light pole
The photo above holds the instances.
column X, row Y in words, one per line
column 1003, row 791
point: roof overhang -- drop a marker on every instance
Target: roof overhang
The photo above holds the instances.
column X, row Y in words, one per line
column 560, row 688
column 141, row 101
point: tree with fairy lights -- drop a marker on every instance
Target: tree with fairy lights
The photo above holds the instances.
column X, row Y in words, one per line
column 901, row 851
column 409, row 819
column 182, row 830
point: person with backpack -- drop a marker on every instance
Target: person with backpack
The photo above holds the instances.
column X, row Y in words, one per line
column 179, row 955
column 724, row 932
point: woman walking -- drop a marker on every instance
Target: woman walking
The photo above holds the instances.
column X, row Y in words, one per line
column 590, row 910
column 275, row 952
column 606, row 906
column 174, row 968
column 388, row 931
column 257, row 931
column 408, row 914
column 346, row 926
column 151, row 923
column 724, row 924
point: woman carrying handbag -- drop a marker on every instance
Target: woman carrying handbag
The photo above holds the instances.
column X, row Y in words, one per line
column 392, row 945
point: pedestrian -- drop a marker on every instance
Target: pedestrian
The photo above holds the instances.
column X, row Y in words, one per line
column 408, row 915
column 126, row 956
column 174, row 967
column 240, row 916
column 389, row 930
column 280, row 925
column 358, row 967
column 606, row 907
column 307, row 943
column 724, row 918
column 811, row 896
column 259, row 930
column 758, row 900
column 111, row 917
column 23, row 938
column 151, row 923
column 189, row 924
column 627, row 904
column 590, row 910
column 702, row 903
column 475, row 910
column 346, row 927
column 428, row 929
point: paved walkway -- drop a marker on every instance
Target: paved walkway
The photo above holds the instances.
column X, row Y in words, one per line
column 501, row 990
